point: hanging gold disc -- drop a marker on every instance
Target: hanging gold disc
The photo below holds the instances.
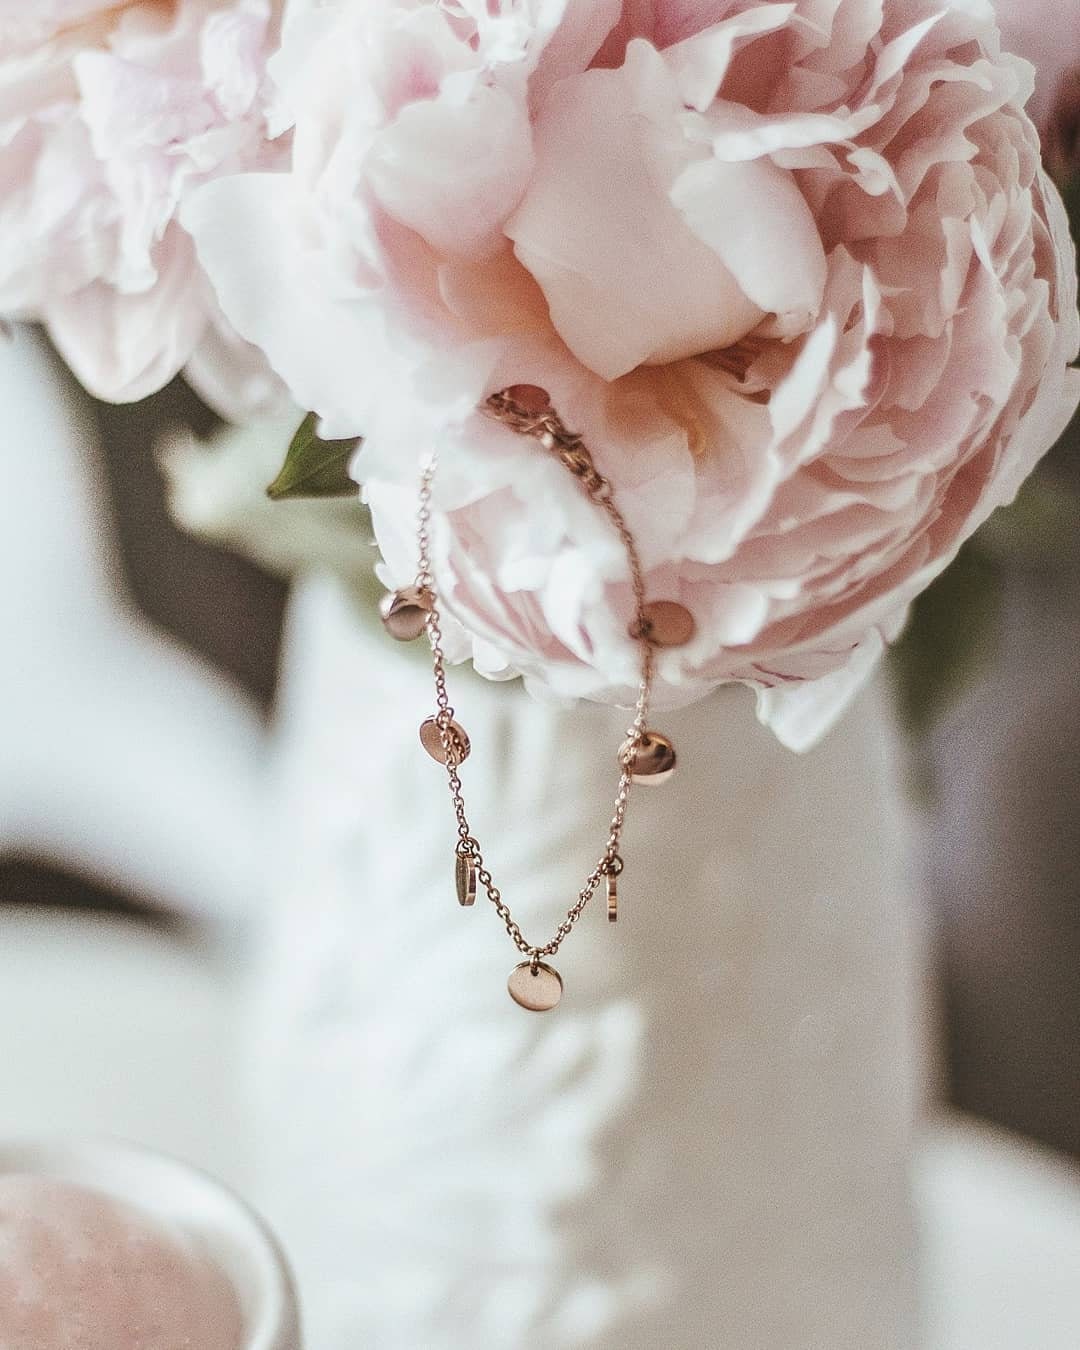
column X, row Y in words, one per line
column 538, row 990
column 612, row 897
column 465, row 879
column 652, row 759
column 529, row 398
column 432, row 741
column 666, row 623
column 404, row 613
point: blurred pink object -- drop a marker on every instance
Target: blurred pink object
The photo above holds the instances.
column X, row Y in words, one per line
column 105, row 1246
column 792, row 270
column 110, row 114
column 81, row 1270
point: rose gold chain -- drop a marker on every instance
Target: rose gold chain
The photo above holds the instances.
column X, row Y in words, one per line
column 548, row 429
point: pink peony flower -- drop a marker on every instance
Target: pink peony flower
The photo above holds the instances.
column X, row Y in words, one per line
column 80, row 1270
column 792, row 269
column 109, row 113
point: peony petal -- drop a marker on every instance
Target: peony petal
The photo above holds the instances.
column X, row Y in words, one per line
column 329, row 349
column 453, row 170
column 740, row 133
column 124, row 347
column 701, row 62
column 755, row 219
column 627, row 282
column 570, row 43
column 233, row 377
column 800, row 714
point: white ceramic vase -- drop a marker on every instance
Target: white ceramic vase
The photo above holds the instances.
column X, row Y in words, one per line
column 704, row 1146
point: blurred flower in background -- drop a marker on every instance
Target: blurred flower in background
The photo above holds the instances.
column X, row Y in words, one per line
column 108, row 115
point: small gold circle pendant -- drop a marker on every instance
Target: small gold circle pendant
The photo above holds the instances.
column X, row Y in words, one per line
column 432, row 741
column 666, row 624
column 538, row 990
column 404, row 613
column 465, row 879
column 652, row 760
column 530, row 398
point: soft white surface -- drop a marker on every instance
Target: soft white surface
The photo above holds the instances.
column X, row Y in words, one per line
column 112, row 1027
column 107, row 1026
column 1001, row 1242
column 122, row 757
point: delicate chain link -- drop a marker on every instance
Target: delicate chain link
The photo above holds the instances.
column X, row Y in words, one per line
column 549, row 430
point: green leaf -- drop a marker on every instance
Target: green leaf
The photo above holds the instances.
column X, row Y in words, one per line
column 314, row 467
column 952, row 634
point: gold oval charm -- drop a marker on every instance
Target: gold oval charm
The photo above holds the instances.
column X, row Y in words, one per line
column 612, row 897
column 530, row 398
column 465, row 879
column 652, row 761
column 664, row 623
column 404, row 613
column 432, row 741
column 537, row 990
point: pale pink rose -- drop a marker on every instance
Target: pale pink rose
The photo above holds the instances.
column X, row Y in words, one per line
column 109, row 114
column 792, row 269
column 80, row 1270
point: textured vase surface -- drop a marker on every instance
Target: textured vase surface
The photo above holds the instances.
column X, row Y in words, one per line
column 704, row 1146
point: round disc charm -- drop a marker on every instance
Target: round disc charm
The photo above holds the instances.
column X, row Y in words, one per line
column 666, row 624
column 653, row 759
column 612, row 897
column 404, row 613
column 431, row 740
column 529, row 398
column 538, row 990
column 465, row 879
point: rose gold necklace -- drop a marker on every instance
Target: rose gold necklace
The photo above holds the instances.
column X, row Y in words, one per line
column 644, row 757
